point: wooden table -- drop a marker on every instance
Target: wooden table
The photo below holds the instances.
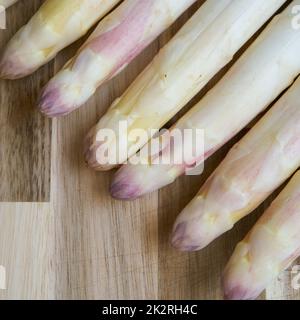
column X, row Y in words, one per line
column 62, row 236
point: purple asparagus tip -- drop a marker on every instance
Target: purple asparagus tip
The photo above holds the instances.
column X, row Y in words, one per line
column 124, row 191
column 122, row 188
column 11, row 70
column 90, row 153
column 180, row 240
column 239, row 293
column 236, row 293
column 50, row 103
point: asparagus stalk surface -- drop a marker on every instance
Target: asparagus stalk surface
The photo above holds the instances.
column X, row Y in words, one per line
column 257, row 165
column 117, row 40
column 201, row 48
column 56, row 24
column 271, row 246
column 267, row 68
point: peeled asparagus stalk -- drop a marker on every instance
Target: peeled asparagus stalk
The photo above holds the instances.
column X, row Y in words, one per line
column 117, row 40
column 267, row 68
column 202, row 47
column 271, row 246
column 252, row 170
column 7, row 3
column 57, row 24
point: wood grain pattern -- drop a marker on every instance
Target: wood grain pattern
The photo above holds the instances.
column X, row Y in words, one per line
column 26, row 250
column 24, row 133
column 81, row 244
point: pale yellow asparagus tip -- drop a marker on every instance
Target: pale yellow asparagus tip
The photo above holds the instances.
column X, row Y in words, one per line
column 90, row 154
column 117, row 40
column 270, row 247
column 57, row 24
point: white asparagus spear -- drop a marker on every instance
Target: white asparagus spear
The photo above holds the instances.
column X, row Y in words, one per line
column 117, row 40
column 202, row 47
column 57, row 24
column 7, row 3
column 268, row 67
column 252, row 170
column 271, row 246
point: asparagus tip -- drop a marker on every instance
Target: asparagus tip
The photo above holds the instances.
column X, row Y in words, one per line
column 235, row 293
column 124, row 191
column 180, row 239
column 50, row 103
column 124, row 185
column 90, row 155
column 237, row 288
column 11, row 70
column 238, row 292
column 91, row 147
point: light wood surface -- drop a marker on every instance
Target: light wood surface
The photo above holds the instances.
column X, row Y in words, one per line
column 62, row 236
column 24, row 133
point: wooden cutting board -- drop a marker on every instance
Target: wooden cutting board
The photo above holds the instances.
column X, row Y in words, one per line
column 62, row 236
